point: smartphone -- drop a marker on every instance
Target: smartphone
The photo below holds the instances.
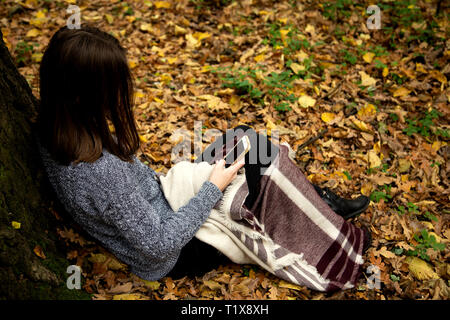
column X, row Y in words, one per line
column 238, row 152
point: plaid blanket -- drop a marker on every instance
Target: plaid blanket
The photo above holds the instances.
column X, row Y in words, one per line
column 290, row 231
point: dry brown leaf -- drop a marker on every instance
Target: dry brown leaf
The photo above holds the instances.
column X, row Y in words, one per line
column 121, row 288
column 39, row 252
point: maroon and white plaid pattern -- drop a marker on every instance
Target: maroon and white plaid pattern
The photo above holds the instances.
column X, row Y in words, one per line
column 309, row 243
column 290, row 231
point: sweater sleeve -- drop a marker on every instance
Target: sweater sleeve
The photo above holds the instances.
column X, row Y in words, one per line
column 155, row 233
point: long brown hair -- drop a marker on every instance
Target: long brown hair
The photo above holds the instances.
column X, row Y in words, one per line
column 85, row 81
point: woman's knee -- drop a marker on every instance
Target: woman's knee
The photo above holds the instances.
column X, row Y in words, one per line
column 242, row 127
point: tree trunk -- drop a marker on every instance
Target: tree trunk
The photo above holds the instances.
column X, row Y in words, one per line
column 25, row 197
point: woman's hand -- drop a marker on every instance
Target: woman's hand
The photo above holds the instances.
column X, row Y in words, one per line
column 222, row 176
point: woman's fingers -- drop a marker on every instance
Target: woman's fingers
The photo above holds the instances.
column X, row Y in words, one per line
column 222, row 176
column 220, row 163
column 233, row 169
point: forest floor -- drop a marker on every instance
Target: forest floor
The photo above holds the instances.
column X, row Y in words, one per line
column 297, row 67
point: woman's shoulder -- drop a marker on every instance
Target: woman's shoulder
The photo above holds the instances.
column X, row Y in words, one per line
column 108, row 172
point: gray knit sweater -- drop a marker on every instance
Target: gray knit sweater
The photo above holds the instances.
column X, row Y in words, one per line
column 122, row 205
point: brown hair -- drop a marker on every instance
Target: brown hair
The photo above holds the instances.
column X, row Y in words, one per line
column 84, row 82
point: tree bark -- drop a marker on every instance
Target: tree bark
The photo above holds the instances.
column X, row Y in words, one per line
column 26, row 198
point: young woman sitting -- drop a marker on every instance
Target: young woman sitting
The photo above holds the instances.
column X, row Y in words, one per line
column 86, row 86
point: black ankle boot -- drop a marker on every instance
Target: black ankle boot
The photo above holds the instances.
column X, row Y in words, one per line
column 345, row 208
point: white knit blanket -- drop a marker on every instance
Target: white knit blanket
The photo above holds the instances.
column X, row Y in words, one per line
column 182, row 182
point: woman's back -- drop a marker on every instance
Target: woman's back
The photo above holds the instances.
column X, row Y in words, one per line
column 121, row 205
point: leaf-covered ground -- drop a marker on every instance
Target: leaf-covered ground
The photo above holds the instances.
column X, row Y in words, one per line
column 298, row 67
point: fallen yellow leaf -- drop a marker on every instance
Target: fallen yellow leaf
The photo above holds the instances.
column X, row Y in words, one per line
column 438, row 238
column 367, row 111
column 386, row 253
column 162, row 4
column 288, row 285
column 301, row 55
column 139, row 94
column 438, row 76
column 420, row 269
column 213, row 102
column 403, row 165
column 366, row 189
column 97, row 258
column 409, row 73
column 143, row 105
column 158, row 50
column 297, row 67
column 37, row 57
column 310, row 29
column 206, row 68
column 39, row 252
column 132, row 63
column 152, row 285
column 316, row 90
column 166, row 78
column 33, row 33
column 172, row 60
column 420, row 68
column 270, row 125
column 129, row 296
column 364, row 36
column 147, row 27
column 201, row 35
column 39, row 18
column 327, row 116
column 436, row 145
column 338, row 174
column 109, row 18
column 260, row 57
column 283, row 34
column 15, row 224
column 419, row 25
column 213, row 285
column 111, row 262
column 192, row 42
column 235, row 103
column 142, row 138
column 377, row 147
column 306, row 101
column 373, row 159
column 401, row 92
column 179, row 30
column 367, row 80
column 361, row 125
column 368, row 57
column 158, row 100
